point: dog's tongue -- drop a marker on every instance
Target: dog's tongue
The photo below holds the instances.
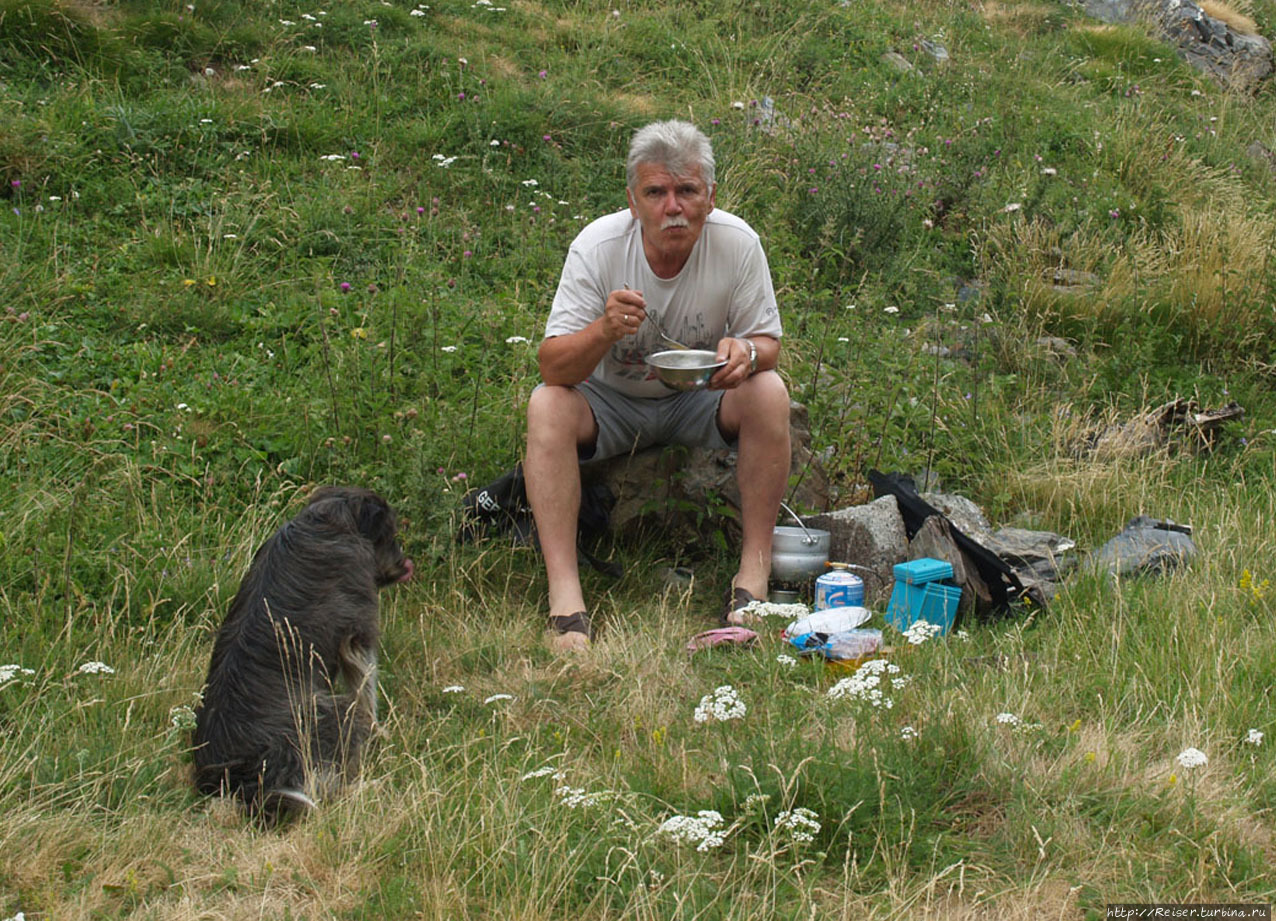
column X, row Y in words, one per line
column 409, row 569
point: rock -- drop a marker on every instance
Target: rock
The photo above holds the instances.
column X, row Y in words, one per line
column 935, row 50
column 1222, row 47
column 1057, row 347
column 872, row 539
column 693, row 490
column 1146, row 545
column 968, row 517
column 934, row 540
column 1178, row 423
column 898, row 61
column 1021, row 547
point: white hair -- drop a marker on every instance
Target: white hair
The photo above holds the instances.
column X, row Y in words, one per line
column 676, row 145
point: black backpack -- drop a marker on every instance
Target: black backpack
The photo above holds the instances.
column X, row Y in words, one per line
column 1002, row 581
column 500, row 509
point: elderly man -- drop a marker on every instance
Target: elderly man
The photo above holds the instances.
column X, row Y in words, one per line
column 700, row 273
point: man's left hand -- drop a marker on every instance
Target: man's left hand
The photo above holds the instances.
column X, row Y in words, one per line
column 738, row 356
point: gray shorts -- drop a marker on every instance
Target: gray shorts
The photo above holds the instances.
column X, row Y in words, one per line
column 627, row 424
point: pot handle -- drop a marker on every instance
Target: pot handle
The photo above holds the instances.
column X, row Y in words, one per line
column 809, row 539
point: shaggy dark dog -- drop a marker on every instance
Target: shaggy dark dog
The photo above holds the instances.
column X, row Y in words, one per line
column 273, row 728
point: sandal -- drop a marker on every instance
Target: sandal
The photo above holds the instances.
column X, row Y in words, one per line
column 573, row 623
column 737, row 599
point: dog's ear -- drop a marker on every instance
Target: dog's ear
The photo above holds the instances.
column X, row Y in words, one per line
column 374, row 517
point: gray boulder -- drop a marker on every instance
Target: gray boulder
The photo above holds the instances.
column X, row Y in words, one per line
column 872, row 539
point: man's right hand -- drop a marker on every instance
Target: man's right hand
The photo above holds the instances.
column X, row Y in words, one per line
column 623, row 313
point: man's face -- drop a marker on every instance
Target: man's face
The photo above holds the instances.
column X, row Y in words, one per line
column 671, row 209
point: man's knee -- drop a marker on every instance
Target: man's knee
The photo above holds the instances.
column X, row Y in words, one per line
column 555, row 413
column 761, row 403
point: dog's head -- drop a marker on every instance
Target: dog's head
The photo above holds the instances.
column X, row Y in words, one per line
column 363, row 511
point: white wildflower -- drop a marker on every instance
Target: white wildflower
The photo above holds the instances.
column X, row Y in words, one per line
column 1012, row 206
column 705, row 829
column 722, row 705
column 907, row 733
column 182, row 717
column 444, row 162
column 318, row 86
column 1253, row 737
column 286, row 22
column 530, row 183
column 801, row 823
column 95, row 668
column 919, row 631
column 786, row 660
column 493, row 143
column 311, row 48
column 545, row 771
column 1008, row 719
column 332, row 157
column 866, row 683
column 454, row 689
column 498, row 697
column 794, row 611
column 513, row 340
column 843, row 338
column 9, row 672
column 1049, row 171
column 737, row 105
column 1192, row 758
column 756, row 801
column 577, row 798
column 449, row 348
column 891, row 309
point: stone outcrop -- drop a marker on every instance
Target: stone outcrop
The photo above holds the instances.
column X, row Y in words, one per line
column 1228, row 51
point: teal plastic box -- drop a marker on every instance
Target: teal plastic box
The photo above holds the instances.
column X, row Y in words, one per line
column 919, row 572
column 920, row 595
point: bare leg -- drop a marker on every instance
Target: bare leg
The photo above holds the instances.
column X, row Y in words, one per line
column 558, row 420
column 757, row 413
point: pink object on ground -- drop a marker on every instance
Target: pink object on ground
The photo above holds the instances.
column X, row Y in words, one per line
column 722, row 636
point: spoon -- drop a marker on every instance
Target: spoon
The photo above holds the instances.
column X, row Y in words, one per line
column 669, row 340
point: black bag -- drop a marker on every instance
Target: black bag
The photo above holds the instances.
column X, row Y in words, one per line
column 1002, row 581
column 501, row 508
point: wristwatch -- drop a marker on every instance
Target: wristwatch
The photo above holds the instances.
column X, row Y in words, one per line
column 753, row 354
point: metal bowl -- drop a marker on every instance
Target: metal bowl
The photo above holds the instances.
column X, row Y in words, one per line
column 685, row 369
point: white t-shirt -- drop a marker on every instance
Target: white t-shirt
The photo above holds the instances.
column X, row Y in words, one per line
column 724, row 290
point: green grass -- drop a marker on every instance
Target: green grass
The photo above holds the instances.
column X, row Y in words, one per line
column 320, row 262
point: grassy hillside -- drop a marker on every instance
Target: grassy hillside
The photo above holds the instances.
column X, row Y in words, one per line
column 252, row 248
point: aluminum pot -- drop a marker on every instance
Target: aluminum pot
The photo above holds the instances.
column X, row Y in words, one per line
column 798, row 553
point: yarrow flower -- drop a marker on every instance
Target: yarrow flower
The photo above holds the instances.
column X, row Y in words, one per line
column 577, row 798
column 706, row 829
column 545, row 771
column 1008, row 719
column 801, row 823
column 867, row 683
column 786, row 660
column 182, row 717
column 95, row 668
column 497, row 697
column 9, row 672
column 1192, row 758
column 919, row 631
column 907, row 732
column 454, row 689
column 1253, row 737
column 512, row 340
column 722, row 705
